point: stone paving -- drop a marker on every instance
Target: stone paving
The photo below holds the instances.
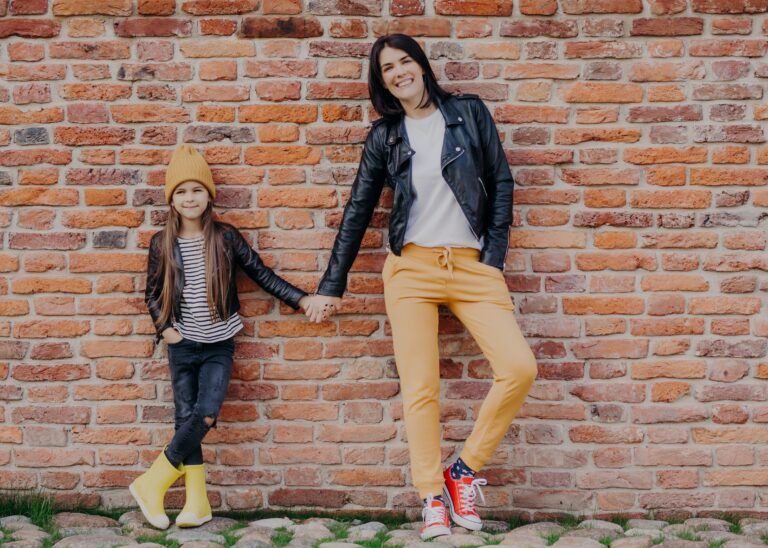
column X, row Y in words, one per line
column 76, row 530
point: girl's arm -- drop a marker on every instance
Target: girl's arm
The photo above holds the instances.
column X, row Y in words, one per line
column 260, row 273
column 366, row 191
column 154, row 285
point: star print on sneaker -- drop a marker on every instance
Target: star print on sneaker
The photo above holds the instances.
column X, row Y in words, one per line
column 435, row 518
column 461, row 495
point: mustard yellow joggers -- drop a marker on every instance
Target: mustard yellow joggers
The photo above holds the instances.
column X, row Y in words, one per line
column 415, row 283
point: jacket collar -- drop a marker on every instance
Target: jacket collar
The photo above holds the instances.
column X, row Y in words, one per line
column 396, row 128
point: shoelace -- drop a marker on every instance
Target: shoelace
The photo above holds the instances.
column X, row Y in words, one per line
column 469, row 492
column 432, row 514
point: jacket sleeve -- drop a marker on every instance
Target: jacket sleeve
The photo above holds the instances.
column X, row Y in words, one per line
column 154, row 285
column 260, row 273
column 500, row 188
column 366, row 191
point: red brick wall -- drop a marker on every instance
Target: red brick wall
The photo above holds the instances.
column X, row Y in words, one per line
column 635, row 130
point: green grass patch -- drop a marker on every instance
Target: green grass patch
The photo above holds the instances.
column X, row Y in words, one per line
column 35, row 505
column 229, row 534
column 159, row 539
column 376, row 542
column 552, row 538
column 282, row 537
column 569, row 520
column 716, row 543
column 688, row 535
column 622, row 521
column 340, row 530
column 517, row 521
column 606, row 541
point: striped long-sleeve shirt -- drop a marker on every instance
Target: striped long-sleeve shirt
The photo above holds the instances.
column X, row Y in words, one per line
column 195, row 323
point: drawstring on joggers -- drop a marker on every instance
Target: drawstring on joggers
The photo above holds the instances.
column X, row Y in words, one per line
column 445, row 260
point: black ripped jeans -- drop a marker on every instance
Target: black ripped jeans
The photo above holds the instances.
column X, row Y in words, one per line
column 200, row 375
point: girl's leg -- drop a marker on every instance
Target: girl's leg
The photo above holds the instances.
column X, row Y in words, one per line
column 213, row 374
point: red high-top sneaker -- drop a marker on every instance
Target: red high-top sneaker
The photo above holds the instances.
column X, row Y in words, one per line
column 460, row 496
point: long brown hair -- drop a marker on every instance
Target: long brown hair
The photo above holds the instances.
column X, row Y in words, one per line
column 217, row 265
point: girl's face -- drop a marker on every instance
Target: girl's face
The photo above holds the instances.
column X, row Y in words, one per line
column 190, row 199
column 403, row 77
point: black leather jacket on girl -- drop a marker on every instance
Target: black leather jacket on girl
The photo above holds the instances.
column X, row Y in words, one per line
column 473, row 164
column 240, row 253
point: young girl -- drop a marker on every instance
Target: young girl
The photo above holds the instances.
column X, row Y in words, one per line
column 192, row 298
column 448, row 237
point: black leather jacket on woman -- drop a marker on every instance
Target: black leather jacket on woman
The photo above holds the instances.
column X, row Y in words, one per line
column 473, row 164
column 240, row 253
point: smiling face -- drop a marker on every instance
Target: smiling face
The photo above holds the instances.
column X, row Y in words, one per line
column 402, row 76
column 190, row 200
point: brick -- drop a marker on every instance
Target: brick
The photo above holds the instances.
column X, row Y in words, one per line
column 153, row 26
column 666, row 71
column 16, row 116
column 23, row 51
column 602, row 434
column 86, row 27
column 29, row 28
column 206, row 92
column 156, row 7
column 129, row 114
column 610, row 478
column 88, row 7
column 593, row 92
column 281, row 27
column 104, row 50
column 599, row 49
column 217, row 27
column 667, row 26
column 423, row 26
column 308, row 497
column 722, row 6
column 579, row 7
column 731, row 25
column 486, row 7
column 219, row 7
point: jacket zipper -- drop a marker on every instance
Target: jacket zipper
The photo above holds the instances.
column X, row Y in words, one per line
column 449, row 162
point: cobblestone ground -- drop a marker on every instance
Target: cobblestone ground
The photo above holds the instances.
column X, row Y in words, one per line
column 77, row 530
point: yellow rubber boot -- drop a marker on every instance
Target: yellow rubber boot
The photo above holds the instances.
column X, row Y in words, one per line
column 197, row 509
column 150, row 487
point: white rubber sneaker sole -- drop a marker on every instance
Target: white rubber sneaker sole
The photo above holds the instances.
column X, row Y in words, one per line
column 156, row 522
column 435, row 531
column 461, row 521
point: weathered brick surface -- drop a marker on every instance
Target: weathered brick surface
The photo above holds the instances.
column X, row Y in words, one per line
column 635, row 130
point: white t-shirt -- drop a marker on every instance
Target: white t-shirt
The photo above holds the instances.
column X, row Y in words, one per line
column 435, row 218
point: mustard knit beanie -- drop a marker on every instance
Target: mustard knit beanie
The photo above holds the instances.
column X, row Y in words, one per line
column 187, row 164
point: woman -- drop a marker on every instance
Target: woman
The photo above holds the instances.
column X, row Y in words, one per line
column 448, row 237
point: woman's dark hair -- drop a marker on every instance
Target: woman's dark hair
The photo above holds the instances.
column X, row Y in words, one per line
column 383, row 101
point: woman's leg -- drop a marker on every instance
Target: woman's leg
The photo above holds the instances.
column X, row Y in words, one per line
column 413, row 315
column 480, row 300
